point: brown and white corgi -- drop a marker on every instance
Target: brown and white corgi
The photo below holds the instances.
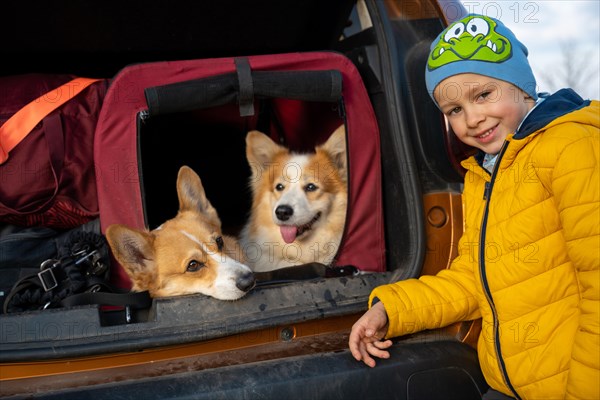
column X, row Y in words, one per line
column 299, row 202
column 187, row 254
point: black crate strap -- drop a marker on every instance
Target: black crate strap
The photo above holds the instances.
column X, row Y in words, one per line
column 135, row 300
column 246, row 87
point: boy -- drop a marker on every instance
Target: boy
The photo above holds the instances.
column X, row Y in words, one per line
column 529, row 257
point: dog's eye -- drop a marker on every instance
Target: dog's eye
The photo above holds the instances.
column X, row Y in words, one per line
column 220, row 243
column 194, row 266
column 279, row 187
column 311, row 187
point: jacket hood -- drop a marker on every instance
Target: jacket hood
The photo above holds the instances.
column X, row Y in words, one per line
column 555, row 106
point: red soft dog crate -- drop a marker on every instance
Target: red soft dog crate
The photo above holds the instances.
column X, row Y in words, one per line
column 159, row 116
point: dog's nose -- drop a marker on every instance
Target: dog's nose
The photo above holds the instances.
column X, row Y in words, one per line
column 284, row 212
column 245, row 282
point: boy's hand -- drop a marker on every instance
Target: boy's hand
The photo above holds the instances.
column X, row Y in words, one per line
column 367, row 332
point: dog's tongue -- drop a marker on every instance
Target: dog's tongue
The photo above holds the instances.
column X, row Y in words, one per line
column 288, row 233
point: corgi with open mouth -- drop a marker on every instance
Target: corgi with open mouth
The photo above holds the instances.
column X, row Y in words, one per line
column 299, row 202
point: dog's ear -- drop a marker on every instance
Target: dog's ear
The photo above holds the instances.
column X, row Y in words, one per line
column 335, row 146
column 133, row 250
column 260, row 150
column 192, row 196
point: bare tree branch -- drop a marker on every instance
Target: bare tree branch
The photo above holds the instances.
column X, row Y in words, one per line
column 574, row 69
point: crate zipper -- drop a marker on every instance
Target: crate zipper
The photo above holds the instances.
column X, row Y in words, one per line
column 143, row 115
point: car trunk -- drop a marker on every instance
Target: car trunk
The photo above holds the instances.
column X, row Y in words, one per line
column 103, row 39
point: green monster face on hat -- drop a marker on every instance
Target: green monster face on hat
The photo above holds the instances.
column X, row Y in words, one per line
column 471, row 38
column 478, row 44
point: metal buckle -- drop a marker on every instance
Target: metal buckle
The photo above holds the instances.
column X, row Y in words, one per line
column 48, row 279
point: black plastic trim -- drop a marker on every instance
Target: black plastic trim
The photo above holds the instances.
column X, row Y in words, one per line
column 406, row 247
column 438, row 370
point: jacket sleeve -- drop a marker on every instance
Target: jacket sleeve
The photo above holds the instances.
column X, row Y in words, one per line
column 575, row 185
column 431, row 301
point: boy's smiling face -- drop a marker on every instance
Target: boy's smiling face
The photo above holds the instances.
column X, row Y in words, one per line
column 482, row 110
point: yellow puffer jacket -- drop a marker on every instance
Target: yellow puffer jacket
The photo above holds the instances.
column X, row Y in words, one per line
column 528, row 261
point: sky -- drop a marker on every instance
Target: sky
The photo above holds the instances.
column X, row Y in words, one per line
column 547, row 27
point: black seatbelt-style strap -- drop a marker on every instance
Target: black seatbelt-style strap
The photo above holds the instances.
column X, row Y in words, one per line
column 246, row 92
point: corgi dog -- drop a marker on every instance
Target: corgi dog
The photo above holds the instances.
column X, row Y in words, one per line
column 298, row 203
column 185, row 255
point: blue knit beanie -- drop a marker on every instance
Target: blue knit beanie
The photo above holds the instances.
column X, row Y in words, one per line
column 478, row 44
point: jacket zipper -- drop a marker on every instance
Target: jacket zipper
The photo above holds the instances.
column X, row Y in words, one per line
column 486, row 289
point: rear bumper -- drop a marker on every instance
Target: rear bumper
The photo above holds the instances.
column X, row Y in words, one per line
column 432, row 370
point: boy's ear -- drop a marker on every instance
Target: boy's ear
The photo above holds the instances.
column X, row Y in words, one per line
column 335, row 146
column 260, row 150
column 134, row 251
column 192, row 196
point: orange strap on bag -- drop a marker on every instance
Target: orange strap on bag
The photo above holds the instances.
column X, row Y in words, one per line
column 13, row 131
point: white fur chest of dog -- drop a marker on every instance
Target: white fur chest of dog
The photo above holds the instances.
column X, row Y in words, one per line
column 299, row 203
